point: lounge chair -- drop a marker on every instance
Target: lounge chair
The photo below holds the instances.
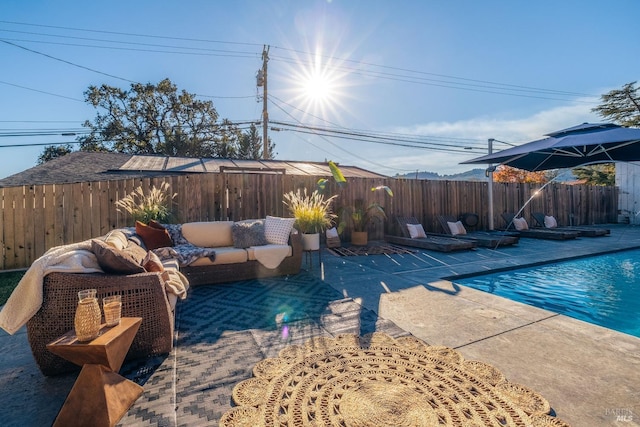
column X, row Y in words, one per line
column 488, row 239
column 539, row 218
column 430, row 242
column 536, row 233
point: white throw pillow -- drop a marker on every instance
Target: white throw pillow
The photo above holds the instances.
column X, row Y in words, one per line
column 332, row 233
column 416, row 231
column 277, row 230
column 520, row 224
column 456, row 228
column 550, row 222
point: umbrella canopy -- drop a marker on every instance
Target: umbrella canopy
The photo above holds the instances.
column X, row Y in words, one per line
column 578, row 145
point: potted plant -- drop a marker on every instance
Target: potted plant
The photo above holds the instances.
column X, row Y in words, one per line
column 359, row 217
column 312, row 213
column 143, row 207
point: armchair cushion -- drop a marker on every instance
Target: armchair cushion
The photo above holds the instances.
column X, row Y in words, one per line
column 116, row 261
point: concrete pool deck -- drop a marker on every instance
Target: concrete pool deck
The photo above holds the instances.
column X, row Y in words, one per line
column 590, row 375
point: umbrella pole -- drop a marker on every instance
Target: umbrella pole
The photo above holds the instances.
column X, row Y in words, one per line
column 490, row 188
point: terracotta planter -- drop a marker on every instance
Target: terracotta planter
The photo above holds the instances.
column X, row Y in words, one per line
column 311, row 242
column 359, row 238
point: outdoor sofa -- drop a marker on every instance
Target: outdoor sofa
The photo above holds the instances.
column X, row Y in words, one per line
column 227, row 253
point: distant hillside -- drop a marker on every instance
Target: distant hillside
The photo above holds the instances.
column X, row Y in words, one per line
column 566, row 176
column 471, row 175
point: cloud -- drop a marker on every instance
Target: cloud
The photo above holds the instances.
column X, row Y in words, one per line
column 477, row 131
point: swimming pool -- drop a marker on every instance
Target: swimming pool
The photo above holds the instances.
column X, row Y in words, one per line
column 604, row 290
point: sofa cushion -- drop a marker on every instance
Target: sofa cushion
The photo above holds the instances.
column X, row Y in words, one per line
column 209, row 234
column 153, row 237
column 248, row 233
column 277, row 230
column 114, row 261
column 152, row 263
column 224, row 255
column 117, row 239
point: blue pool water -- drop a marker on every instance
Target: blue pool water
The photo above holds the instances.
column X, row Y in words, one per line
column 604, row 290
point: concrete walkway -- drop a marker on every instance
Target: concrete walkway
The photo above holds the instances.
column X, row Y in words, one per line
column 589, row 374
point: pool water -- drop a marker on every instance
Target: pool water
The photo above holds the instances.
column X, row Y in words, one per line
column 604, row 290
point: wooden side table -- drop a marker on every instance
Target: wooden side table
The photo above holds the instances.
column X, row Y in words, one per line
column 100, row 396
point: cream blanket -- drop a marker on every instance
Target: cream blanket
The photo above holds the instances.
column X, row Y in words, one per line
column 270, row 255
column 26, row 299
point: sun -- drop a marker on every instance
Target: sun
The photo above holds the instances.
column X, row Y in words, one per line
column 318, row 88
column 316, row 85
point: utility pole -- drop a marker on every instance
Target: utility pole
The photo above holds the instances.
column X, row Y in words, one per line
column 265, row 112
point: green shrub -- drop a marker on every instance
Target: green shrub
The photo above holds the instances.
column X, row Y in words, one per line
column 8, row 282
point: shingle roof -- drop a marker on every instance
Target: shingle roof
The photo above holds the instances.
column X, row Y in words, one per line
column 95, row 166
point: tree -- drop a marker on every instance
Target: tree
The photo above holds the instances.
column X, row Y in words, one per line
column 157, row 119
column 509, row 174
column 602, row 174
column 251, row 147
column 622, row 106
column 53, row 151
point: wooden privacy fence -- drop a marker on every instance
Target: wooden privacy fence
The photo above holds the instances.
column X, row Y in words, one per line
column 38, row 217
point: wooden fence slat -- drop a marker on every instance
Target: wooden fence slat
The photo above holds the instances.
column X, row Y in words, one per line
column 37, row 218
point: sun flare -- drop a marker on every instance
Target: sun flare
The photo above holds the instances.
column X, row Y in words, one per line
column 318, row 88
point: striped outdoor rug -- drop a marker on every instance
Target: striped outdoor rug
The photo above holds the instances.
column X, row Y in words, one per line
column 372, row 249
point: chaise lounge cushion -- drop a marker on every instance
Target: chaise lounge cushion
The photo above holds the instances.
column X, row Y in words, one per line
column 209, row 234
column 456, row 228
column 550, row 222
column 114, row 261
column 520, row 224
column 416, row 231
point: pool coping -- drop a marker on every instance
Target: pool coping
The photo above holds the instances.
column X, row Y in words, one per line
column 588, row 373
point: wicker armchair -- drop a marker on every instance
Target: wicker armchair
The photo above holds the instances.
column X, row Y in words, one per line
column 143, row 295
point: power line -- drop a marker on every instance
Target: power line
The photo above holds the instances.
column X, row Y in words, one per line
column 40, row 144
column 41, row 91
column 132, row 34
column 237, row 55
column 475, row 81
column 331, row 143
column 66, row 62
column 407, row 76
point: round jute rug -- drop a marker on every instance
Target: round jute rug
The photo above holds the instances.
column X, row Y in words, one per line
column 376, row 381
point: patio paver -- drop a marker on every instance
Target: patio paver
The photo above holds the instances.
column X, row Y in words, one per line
column 590, row 375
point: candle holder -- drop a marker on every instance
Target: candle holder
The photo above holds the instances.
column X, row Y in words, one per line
column 88, row 316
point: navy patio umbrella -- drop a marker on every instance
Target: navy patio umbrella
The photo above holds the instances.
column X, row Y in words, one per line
column 587, row 143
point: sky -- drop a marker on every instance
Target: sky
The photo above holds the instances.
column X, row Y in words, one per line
column 402, row 86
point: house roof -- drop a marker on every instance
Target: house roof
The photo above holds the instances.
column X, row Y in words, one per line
column 82, row 166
